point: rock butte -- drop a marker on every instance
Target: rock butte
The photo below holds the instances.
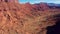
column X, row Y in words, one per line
column 16, row 18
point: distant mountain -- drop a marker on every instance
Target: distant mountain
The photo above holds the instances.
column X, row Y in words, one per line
column 53, row 5
column 50, row 5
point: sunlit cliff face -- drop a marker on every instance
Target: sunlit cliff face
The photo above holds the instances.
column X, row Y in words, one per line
column 18, row 18
column 14, row 1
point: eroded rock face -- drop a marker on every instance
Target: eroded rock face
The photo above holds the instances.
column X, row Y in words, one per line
column 14, row 1
column 17, row 18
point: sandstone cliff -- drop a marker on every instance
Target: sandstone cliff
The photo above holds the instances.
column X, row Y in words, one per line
column 18, row 18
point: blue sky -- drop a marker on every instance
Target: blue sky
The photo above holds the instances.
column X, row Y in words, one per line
column 38, row 1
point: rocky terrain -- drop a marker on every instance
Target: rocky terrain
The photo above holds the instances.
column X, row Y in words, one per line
column 16, row 18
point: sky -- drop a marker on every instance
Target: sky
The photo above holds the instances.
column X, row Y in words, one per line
column 38, row 1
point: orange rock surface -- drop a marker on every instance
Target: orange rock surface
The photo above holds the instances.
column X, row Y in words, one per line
column 18, row 18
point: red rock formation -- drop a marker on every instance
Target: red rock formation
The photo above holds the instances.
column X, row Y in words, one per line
column 15, row 1
column 18, row 18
